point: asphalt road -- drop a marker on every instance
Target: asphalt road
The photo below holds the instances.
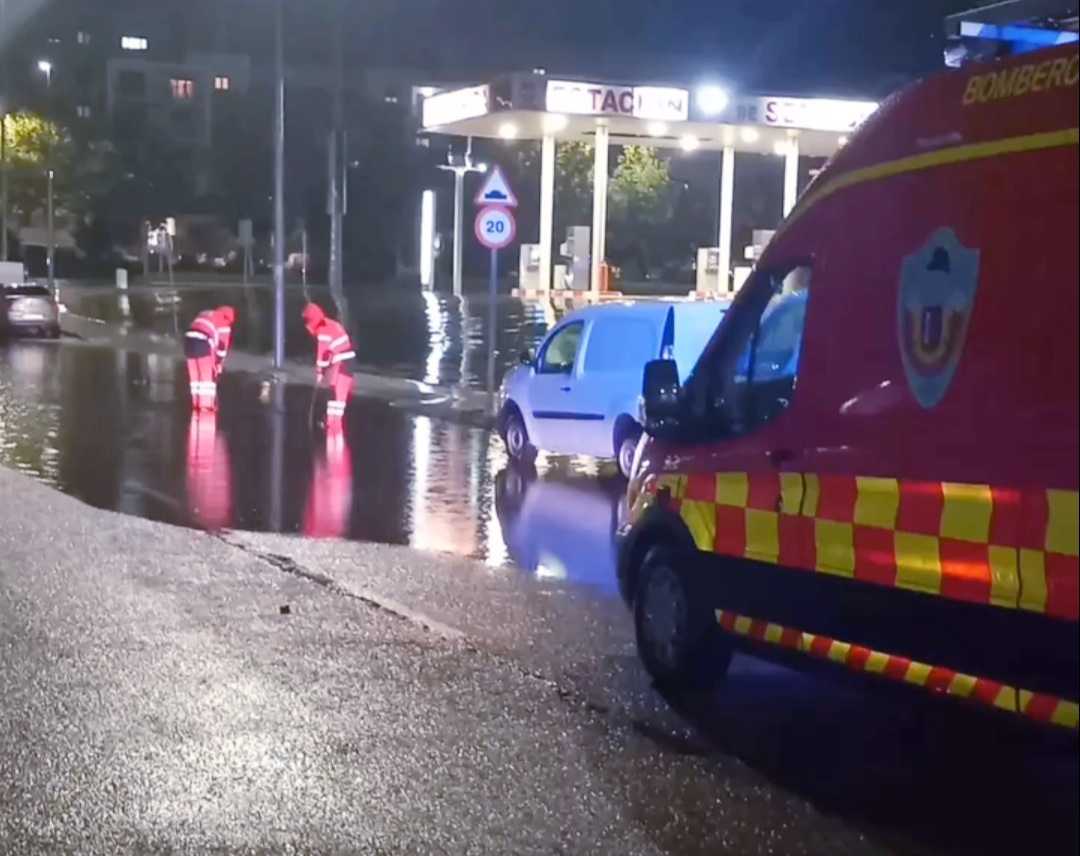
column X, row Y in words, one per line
column 478, row 694
column 167, row 692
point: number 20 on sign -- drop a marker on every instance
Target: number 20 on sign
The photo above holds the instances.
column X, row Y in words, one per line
column 495, row 227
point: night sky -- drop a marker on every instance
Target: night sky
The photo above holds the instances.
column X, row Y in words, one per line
column 843, row 47
column 797, row 45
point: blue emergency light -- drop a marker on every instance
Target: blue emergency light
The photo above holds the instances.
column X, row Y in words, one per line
column 1009, row 27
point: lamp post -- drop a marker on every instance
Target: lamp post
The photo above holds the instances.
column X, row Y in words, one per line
column 459, row 170
column 279, row 187
column 3, row 144
column 46, row 68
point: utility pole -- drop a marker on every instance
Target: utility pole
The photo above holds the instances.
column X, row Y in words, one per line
column 338, row 165
column 279, row 188
column 3, row 142
column 46, row 68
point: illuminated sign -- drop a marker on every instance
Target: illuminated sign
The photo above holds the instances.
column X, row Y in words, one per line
column 454, row 106
column 805, row 114
column 654, row 103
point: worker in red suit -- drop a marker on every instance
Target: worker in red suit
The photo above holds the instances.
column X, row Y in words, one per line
column 209, row 488
column 329, row 503
column 335, row 361
column 206, row 345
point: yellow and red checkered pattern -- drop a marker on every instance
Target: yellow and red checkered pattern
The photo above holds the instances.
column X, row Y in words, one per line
column 1036, row 706
column 1002, row 546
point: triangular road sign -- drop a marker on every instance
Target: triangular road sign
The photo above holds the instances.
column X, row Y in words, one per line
column 496, row 191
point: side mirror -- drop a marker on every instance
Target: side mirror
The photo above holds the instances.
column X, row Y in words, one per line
column 660, row 395
column 527, row 357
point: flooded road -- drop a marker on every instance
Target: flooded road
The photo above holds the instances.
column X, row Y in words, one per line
column 114, row 429
column 430, row 337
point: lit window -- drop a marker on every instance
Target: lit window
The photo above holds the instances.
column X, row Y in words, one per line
column 133, row 43
column 221, row 84
column 82, row 38
column 182, row 88
column 82, row 111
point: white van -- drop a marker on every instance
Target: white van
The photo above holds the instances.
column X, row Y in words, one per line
column 579, row 394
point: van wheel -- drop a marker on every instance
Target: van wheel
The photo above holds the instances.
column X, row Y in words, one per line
column 626, row 450
column 516, row 438
column 678, row 641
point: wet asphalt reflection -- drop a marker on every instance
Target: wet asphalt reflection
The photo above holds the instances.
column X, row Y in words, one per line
column 114, row 429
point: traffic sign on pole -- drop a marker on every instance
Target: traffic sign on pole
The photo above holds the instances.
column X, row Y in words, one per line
column 495, row 227
column 496, row 191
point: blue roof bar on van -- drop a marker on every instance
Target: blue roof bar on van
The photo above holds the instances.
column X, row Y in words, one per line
column 1035, row 36
column 1010, row 27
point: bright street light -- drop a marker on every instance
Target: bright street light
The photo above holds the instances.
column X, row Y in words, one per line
column 44, row 65
column 712, row 100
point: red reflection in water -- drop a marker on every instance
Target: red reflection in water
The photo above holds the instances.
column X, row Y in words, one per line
column 329, row 502
column 209, row 486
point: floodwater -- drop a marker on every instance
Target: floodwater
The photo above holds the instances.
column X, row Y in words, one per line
column 114, row 429
column 430, row 337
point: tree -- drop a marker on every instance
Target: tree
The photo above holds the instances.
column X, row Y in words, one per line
column 81, row 170
column 573, row 185
column 640, row 202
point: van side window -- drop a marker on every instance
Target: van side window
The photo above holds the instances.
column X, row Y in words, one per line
column 617, row 344
column 561, row 350
column 750, row 373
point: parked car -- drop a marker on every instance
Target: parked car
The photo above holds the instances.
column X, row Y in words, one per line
column 30, row 310
column 579, row 395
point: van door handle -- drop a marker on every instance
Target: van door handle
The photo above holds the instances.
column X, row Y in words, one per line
column 564, row 388
column 779, row 457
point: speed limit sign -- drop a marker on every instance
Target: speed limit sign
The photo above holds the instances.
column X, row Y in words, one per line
column 495, row 227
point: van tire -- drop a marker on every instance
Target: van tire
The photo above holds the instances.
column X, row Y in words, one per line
column 516, row 438
column 627, row 434
column 678, row 641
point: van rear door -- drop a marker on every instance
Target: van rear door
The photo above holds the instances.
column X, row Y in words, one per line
column 693, row 325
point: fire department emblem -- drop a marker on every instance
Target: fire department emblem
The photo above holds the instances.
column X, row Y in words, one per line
column 937, row 294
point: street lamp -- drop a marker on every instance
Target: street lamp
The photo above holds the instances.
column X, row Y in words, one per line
column 46, row 68
column 712, row 100
column 459, row 170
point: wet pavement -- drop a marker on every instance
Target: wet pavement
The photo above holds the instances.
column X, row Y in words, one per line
column 112, row 428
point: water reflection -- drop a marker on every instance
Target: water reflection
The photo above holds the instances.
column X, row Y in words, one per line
column 561, row 527
column 114, row 428
column 209, row 482
column 329, row 503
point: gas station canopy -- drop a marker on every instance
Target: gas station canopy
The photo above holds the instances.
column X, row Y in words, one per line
column 532, row 106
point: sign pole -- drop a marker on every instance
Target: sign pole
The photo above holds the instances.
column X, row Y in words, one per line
column 495, row 228
column 493, row 291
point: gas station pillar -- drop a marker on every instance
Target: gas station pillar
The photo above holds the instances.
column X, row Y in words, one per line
column 727, row 207
column 599, row 208
column 547, row 207
column 791, row 175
